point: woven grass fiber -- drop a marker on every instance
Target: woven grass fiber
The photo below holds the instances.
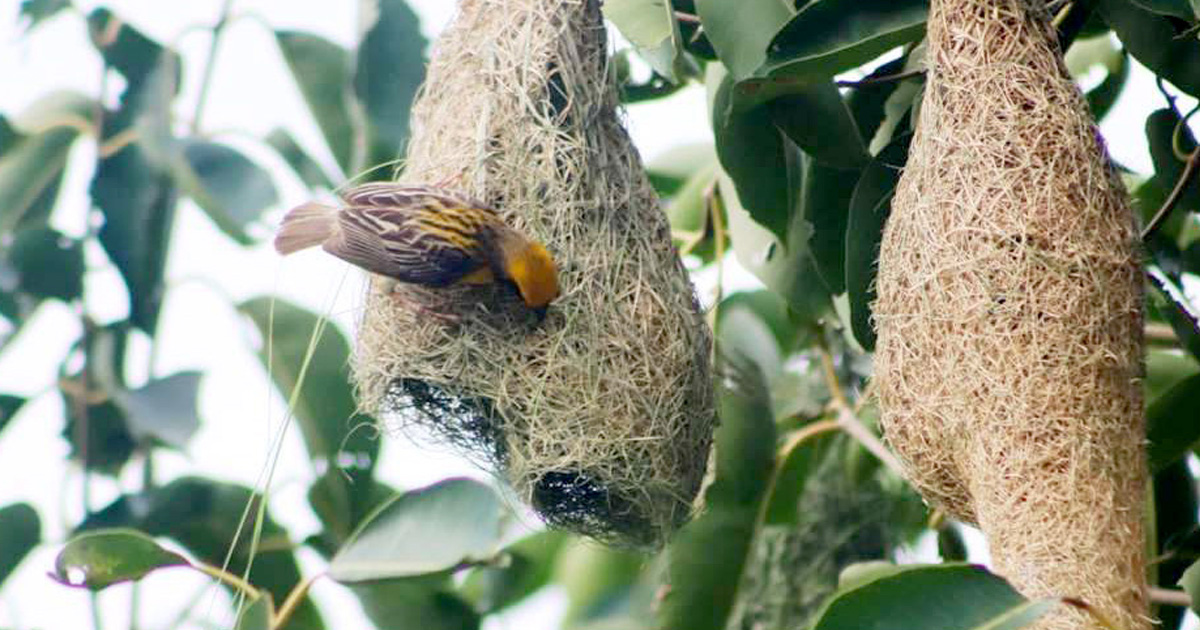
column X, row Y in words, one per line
column 601, row 416
column 1009, row 357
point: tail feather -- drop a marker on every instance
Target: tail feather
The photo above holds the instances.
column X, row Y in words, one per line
column 306, row 225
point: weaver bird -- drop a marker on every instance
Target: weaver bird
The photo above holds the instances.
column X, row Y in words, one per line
column 424, row 236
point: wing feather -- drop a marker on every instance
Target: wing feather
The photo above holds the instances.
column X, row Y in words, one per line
column 411, row 233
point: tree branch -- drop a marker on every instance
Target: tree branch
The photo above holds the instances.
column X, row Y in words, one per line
column 887, row 78
column 1170, row 597
column 1185, row 178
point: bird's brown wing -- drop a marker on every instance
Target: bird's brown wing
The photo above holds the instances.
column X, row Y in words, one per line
column 413, row 235
column 392, row 195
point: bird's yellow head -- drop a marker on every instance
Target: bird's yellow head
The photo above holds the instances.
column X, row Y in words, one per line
column 531, row 268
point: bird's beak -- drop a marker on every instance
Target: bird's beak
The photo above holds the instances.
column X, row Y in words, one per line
column 540, row 313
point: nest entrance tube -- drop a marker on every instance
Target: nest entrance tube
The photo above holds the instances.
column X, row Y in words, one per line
column 1009, row 355
column 601, row 416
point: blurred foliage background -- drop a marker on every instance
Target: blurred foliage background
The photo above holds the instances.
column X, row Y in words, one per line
column 811, row 106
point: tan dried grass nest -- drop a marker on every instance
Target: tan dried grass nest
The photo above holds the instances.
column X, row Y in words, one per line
column 601, row 416
column 1009, row 359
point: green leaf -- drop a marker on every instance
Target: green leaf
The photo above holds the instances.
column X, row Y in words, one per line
column 98, row 436
column 1101, row 98
column 1161, row 127
column 9, row 406
column 787, row 268
column 523, row 567
column 1161, row 43
column 390, row 69
column 946, row 596
column 829, row 37
column 1171, row 426
column 1168, row 299
column 754, row 154
column 1190, row 583
column 794, row 471
column 1165, row 368
column 421, row 603
column 305, row 167
column 99, row 559
column 152, row 76
column 34, row 154
column 39, row 10
column 164, row 409
column 20, row 533
column 322, row 71
column 598, row 580
column 708, row 554
column 256, row 615
column 131, row 187
column 740, row 32
column 899, row 113
column 818, row 121
column 866, row 101
column 8, row 135
column 205, row 517
column 342, row 505
column 869, row 209
column 741, row 331
column 650, row 26
column 444, row 526
column 1106, row 53
column 138, row 204
column 227, row 185
column 1181, row 9
column 768, row 307
column 825, row 197
column 47, row 264
column 951, row 545
column 325, row 405
column 1174, row 519
column 645, row 23
column 688, row 211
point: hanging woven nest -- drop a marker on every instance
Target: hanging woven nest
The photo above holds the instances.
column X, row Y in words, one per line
column 1009, row 359
column 600, row 416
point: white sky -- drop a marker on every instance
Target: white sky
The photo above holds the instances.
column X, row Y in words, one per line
column 252, row 94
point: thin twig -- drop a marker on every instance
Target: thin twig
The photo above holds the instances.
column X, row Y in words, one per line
column 228, row 579
column 1157, row 332
column 712, row 198
column 846, row 418
column 859, row 431
column 292, row 602
column 1185, row 178
column 210, row 62
column 1169, row 596
column 887, row 78
column 1097, row 616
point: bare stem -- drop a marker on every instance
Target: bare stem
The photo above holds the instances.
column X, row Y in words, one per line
column 1169, row 596
column 887, row 78
column 228, row 579
column 1185, row 178
column 847, row 419
column 715, row 210
column 293, row 601
column 1161, row 333
column 218, row 29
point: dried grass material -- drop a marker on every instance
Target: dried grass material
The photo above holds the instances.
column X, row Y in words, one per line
column 1009, row 315
column 601, row 416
